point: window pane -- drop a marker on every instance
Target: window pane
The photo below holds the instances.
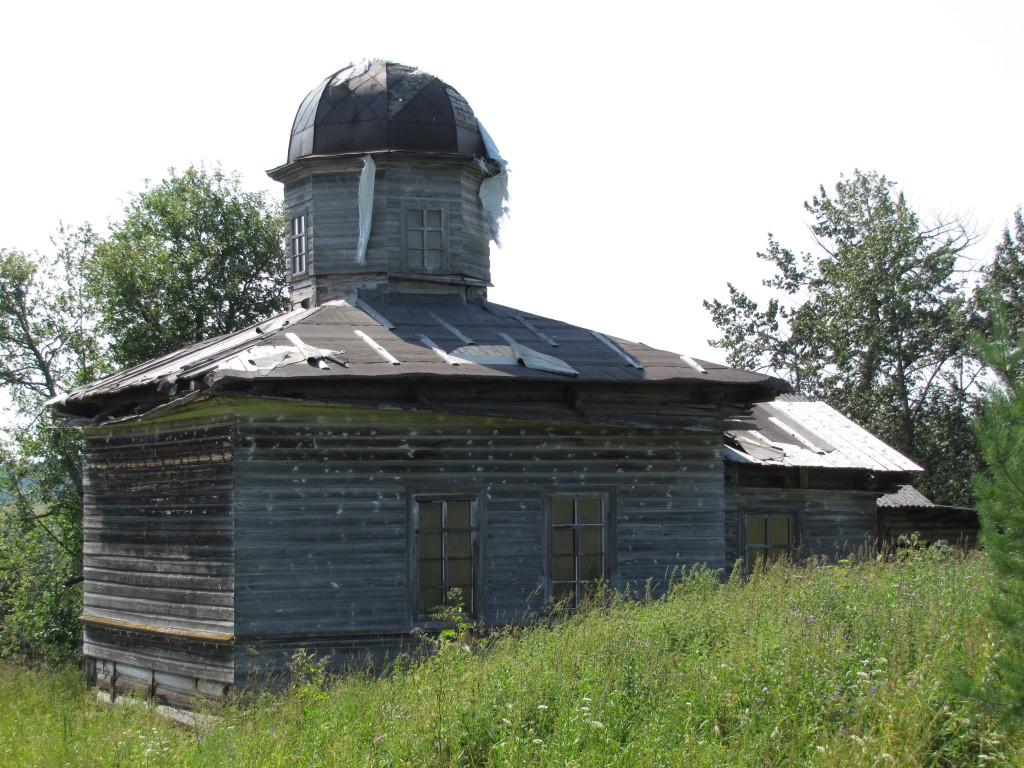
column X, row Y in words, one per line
column 564, row 593
column 590, row 541
column 563, row 568
column 779, row 531
column 756, row 531
column 431, row 573
column 460, row 573
column 433, row 219
column 590, row 511
column 590, row 568
column 563, row 511
column 458, row 514
column 563, row 542
column 415, row 239
column 431, row 598
column 430, row 546
column 430, row 514
column 432, row 240
column 458, row 544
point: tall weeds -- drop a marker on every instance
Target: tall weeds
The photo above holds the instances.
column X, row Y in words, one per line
column 817, row 665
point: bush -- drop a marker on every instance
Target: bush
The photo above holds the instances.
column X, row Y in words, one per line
column 40, row 597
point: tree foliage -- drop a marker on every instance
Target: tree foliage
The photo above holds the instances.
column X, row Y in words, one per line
column 873, row 321
column 1003, row 279
column 48, row 344
column 195, row 256
column 1000, row 493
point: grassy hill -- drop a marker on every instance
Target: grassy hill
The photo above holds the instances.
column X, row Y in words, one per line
column 848, row 665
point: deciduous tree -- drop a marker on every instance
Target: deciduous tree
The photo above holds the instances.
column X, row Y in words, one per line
column 48, row 344
column 1003, row 278
column 195, row 256
column 872, row 320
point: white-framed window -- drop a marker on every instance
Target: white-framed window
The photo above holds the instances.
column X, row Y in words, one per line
column 297, row 244
column 579, row 544
column 425, row 237
column 445, row 554
column 768, row 536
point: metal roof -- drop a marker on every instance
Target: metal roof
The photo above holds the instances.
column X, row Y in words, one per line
column 419, row 335
column 906, row 496
column 380, row 106
column 797, row 432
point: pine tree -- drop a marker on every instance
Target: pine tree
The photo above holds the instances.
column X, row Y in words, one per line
column 1000, row 494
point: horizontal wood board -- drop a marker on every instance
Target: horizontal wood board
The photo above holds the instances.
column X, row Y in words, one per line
column 158, row 526
column 323, row 497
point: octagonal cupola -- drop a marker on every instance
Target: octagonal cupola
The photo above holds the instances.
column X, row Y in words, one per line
column 391, row 185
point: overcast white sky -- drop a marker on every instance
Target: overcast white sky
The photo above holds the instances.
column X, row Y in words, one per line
column 652, row 147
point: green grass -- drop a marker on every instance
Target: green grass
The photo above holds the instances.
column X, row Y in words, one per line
column 855, row 665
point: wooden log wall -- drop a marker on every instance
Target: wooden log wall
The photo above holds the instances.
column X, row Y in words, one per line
column 329, row 199
column 323, row 499
column 158, row 552
column 956, row 527
column 831, row 523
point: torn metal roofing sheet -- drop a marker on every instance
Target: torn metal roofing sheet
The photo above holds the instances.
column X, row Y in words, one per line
column 797, row 432
column 417, row 335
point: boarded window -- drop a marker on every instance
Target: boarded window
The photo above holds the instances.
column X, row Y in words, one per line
column 446, row 532
column 298, row 244
column 425, row 236
column 769, row 537
column 579, row 544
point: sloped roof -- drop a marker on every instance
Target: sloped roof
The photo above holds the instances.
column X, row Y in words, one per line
column 906, row 496
column 416, row 335
column 798, row 432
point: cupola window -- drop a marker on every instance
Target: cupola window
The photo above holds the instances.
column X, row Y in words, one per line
column 425, row 243
column 298, row 244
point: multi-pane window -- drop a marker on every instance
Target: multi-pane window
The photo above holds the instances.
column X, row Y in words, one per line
column 579, row 540
column 424, row 239
column 769, row 537
column 445, row 561
column 298, row 244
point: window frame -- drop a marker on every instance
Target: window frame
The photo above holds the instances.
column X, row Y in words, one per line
column 298, row 244
column 471, row 603
column 607, row 539
column 767, row 516
column 411, row 207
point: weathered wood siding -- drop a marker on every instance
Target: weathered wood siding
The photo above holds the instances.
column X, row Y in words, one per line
column 329, row 197
column 158, row 550
column 828, row 522
column 953, row 525
column 323, row 499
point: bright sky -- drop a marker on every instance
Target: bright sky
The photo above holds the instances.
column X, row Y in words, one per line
column 652, row 146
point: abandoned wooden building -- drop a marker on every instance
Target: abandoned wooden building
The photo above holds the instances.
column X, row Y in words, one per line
column 802, row 479
column 325, row 479
column 908, row 517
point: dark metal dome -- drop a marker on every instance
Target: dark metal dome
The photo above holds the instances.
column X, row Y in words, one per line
column 378, row 106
